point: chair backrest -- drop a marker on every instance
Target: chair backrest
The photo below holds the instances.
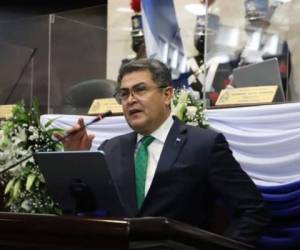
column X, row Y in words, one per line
column 80, row 96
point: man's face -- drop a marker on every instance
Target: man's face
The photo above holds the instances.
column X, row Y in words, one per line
column 146, row 110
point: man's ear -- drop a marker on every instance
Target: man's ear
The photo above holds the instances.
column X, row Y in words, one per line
column 168, row 94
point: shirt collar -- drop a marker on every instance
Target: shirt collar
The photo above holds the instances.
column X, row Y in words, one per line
column 161, row 133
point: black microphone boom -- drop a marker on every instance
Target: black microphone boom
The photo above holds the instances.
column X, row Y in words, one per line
column 98, row 118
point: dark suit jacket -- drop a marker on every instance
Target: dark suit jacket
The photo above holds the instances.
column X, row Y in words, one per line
column 195, row 165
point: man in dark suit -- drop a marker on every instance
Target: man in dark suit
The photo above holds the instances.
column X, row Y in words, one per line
column 187, row 166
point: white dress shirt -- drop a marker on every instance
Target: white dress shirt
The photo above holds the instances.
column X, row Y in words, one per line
column 155, row 149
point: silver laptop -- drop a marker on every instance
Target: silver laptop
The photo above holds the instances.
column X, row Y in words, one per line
column 260, row 74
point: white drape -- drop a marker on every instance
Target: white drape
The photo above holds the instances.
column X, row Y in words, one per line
column 264, row 139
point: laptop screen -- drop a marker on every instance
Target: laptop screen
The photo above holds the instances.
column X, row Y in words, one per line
column 260, row 74
column 80, row 182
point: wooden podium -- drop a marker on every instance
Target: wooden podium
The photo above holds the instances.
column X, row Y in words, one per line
column 27, row 231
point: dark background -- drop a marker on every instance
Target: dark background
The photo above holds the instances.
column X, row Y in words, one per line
column 11, row 9
column 77, row 39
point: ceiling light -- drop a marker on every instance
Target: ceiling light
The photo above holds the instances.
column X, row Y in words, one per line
column 124, row 9
column 196, row 9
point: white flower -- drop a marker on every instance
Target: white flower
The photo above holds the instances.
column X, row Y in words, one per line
column 20, row 135
column 4, row 156
column 191, row 112
column 188, row 108
column 183, row 96
column 31, row 160
column 31, row 129
column 192, row 123
column 33, row 137
column 35, row 133
column 26, row 205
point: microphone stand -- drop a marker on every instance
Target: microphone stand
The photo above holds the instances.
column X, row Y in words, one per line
column 98, row 118
column 20, row 76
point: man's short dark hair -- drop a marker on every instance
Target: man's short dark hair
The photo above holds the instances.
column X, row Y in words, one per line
column 160, row 73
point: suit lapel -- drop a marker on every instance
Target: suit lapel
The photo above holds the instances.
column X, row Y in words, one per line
column 127, row 180
column 171, row 150
column 172, row 147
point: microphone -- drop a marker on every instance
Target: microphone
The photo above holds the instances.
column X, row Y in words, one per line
column 98, row 118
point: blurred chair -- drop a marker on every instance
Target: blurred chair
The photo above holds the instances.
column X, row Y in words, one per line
column 80, row 96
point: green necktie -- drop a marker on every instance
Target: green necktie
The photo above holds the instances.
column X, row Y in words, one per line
column 141, row 162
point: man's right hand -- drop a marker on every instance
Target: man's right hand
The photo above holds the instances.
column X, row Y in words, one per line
column 78, row 138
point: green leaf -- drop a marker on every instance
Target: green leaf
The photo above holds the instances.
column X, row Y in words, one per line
column 9, row 186
column 57, row 130
column 51, row 121
column 16, row 190
column 9, row 202
column 30, row 180
column 180, row 109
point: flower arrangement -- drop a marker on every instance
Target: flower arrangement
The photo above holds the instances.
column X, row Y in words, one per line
column 188, row 108
column 21, row 136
